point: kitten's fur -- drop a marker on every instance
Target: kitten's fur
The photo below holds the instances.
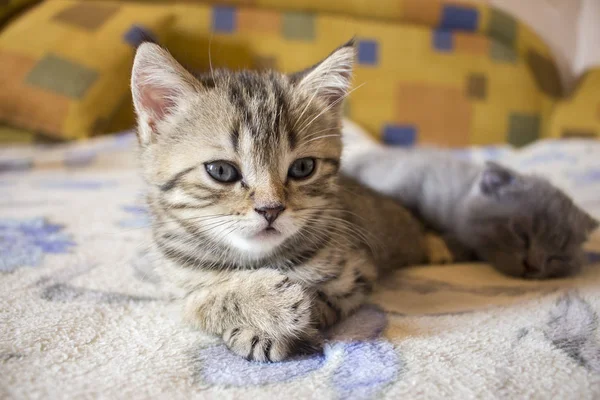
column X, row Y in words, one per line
column 266, row 292
column 521, row 224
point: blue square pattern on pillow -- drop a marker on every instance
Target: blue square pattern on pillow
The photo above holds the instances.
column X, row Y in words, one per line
column 443, row 41
column 224, row 19
column 137, row 35
column 368, row 52
column 399, row 135
column 459, row 18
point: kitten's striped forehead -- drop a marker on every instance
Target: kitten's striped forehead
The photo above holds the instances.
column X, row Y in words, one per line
column 262, row 105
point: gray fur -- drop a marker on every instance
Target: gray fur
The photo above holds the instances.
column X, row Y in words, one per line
column 265, row 292
column 521, row 224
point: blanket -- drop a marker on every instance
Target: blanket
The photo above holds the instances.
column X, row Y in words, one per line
column 79, row 317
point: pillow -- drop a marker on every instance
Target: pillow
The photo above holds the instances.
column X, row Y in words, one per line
column 10, row 7
column 11, row 136
column 65, row 64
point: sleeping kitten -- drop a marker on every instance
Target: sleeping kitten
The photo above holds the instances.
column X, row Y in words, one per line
column 521, row 224
column 262, row 238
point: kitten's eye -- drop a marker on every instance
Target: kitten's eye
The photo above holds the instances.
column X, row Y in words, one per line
column 222, row 171
column 302, row 168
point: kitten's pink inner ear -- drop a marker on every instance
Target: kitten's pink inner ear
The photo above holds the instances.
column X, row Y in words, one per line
column 159, row 83
column 156, row 100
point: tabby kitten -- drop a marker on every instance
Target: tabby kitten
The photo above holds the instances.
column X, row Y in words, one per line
column 521, row 224
column 255, row 228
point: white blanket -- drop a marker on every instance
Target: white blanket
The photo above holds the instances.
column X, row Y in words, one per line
column 78, row 318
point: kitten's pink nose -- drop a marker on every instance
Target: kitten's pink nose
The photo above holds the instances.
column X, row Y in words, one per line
column 270, row 213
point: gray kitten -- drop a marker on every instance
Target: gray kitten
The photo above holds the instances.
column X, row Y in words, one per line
column 254, row 227
column 521, row 224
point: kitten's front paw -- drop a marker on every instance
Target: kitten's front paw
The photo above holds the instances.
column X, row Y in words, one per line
column 258, row 346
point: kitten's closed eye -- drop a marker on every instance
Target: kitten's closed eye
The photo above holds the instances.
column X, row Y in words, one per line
column 521, row 232
column 561, row 266
column 222, row 171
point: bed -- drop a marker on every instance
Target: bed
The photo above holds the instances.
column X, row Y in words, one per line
column 79, row 317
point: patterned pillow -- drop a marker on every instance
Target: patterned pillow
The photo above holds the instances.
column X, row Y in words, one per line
column 64, row 65
column 10, row 7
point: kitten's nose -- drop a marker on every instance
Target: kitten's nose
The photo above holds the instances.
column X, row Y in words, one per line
column 270, row 213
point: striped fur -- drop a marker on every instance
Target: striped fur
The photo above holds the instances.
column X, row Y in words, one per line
column 266, row 293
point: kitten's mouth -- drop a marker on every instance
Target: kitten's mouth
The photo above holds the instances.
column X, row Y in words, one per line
column 269, row 231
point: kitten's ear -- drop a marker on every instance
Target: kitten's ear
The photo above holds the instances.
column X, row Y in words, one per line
column 495, row 177
column 330, row 79
column 159, row 85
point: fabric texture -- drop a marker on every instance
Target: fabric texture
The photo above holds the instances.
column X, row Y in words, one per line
column 65, row 65
column 81, row 317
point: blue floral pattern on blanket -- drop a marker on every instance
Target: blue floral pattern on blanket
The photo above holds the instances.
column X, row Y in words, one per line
column 368, row 362
column 138, row 217
column 367, row 368
column 76, row 184
column 24, row 242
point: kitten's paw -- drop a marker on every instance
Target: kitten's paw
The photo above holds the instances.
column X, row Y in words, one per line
column 289, row 307
column 324, row 312
column 437, row 250
column 258, row 346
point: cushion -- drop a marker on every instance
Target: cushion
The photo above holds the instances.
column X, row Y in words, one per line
column 64, row 64
column 578, row 115
column 441, row 72
column 412, row 84
column 8, row 8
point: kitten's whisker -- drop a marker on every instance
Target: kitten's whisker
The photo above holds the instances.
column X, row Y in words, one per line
column 337, row 238
column 352, row 229
column 345, row 211
column 153, row 224
column 191, row 219
column 346, row 230
column 330, row 107
column 321, row 137
column 192, row 235
column 323, row 80
column 197, row 218
column 192, row 240
column 330, row 209
column 212, row 72
column 215, row 246
column 357, row 229
column 312, row 134
column 320, row 230
column 209, row 227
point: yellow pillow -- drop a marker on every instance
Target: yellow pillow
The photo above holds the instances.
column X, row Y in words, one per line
column 64, row 65
column 10, row 7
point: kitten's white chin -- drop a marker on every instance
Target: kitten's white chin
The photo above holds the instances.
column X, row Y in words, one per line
column 257, row 245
